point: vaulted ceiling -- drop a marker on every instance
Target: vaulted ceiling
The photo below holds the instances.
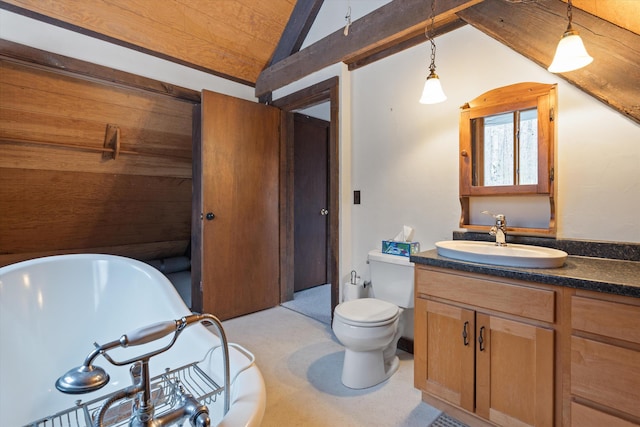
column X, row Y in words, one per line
column 231, row 38
column 257, row 42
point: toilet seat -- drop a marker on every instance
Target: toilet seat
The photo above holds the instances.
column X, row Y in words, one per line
column 367, row 312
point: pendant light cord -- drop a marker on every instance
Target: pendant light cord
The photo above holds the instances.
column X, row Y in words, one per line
column 569, row 15
column 428, row 32
column 569, row 11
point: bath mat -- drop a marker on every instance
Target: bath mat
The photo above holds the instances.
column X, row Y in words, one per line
column 445, row 420
column 314, row 302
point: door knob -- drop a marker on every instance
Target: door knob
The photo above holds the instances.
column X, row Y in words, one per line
column 323, row 212
column 210, row 216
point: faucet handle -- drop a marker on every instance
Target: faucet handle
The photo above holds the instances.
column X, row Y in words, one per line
column 500, row 218
column 491, row 214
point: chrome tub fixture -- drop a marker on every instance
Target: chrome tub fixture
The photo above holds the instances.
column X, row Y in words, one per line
column 89, row 377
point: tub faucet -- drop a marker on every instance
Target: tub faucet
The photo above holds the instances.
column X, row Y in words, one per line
column 143, row 407
column 88, row 377
column 499, row 229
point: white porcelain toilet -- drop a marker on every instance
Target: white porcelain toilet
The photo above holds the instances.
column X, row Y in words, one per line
column 369, row 328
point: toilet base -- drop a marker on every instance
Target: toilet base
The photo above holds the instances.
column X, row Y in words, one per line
column 364, row 369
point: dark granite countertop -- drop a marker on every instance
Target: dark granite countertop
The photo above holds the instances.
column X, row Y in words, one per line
column 593, row 274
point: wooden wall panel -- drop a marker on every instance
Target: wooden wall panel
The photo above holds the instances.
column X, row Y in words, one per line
column 74, row 111
column 59, row 194
column 70, row 210
column 41, row 156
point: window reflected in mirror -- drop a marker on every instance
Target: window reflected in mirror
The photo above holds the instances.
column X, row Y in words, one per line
column 505, row 148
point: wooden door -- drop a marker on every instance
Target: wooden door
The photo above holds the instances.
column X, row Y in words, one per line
column 514, row 373
column 310, row 152
column 444, row 352
column 239, row 191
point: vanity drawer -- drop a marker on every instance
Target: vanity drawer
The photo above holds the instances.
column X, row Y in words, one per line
column 523, row 301
column 606, row 374
column 606, row 318
column 583, row 416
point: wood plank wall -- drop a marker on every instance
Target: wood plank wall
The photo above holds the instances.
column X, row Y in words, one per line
column 60, row 192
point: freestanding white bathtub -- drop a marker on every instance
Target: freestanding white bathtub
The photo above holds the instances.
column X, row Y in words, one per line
column 53, row 309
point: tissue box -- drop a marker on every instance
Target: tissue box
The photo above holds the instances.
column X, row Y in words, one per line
column 400, row 248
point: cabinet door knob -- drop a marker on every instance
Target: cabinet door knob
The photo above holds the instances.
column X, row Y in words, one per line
column 465, row 334
column 210, row 216
column 481, row 338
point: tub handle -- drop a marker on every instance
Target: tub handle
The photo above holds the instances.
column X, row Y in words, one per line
column 148, row 333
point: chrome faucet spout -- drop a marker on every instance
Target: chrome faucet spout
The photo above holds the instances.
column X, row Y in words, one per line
column 499, row 229
column 189, row 408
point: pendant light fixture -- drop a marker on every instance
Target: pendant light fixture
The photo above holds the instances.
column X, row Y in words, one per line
column 432, row 92
column 570, row 53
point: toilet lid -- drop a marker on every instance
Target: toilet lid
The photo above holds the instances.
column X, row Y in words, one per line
column 367, row 312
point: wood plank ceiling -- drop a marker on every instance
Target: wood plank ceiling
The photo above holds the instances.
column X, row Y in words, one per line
column 231, row 38
column 256, row 42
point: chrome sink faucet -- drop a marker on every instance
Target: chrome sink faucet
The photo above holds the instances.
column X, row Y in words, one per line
column 499, row 229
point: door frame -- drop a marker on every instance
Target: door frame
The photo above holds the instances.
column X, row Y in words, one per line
column 327, row 90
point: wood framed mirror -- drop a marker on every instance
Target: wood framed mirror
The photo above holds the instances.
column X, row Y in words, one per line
column 507, row 143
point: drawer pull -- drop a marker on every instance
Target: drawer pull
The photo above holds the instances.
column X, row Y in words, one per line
column 481, row 338
column 465, row 335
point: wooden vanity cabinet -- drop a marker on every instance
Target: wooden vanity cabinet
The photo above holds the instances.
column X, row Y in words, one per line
column 605, row 360
column 485, row 347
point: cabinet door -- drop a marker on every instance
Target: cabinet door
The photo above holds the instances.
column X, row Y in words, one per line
column 514, row 377
column 444, row 356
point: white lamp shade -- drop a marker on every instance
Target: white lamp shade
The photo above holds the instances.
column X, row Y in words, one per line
column 432, row 92
column 570, row 54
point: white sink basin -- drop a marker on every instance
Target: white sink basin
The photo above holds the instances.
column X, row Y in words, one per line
column 512, row 255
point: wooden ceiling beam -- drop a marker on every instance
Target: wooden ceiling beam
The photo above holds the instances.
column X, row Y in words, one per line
column 400, row 45
column 534, row 29
column 296, row 30
column 398, row 21
column 302, row 17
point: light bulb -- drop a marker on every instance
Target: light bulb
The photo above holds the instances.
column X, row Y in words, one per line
column 570, row 53
column 432, row 92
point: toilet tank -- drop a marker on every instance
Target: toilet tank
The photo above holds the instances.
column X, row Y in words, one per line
column 391, row 278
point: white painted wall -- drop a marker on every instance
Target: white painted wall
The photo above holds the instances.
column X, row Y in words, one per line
column 405, row 155
column 332, row 14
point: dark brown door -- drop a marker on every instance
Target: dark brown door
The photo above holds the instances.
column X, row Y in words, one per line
column 311, row 142
column 239, row 190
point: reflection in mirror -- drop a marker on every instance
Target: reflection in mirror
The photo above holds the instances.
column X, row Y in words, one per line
column 505, row 148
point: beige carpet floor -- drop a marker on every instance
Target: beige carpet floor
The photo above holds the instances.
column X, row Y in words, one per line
column 301, row 362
